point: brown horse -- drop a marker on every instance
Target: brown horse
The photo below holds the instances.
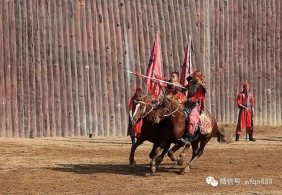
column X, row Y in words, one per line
column 149, row 132
column 152, row 132
column 176, row 127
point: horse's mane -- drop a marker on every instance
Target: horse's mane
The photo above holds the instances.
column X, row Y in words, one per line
column 147, row 99
column 174, row 100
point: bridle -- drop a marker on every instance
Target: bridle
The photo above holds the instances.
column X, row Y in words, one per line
column 167, row 110
column 144, row 114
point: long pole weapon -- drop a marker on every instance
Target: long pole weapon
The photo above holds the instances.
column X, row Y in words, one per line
column 190, row 56
column 246, row 114
column 154, row 79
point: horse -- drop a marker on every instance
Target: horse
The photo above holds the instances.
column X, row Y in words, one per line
column 176, row 127
column 146, row 109
column 149, row 132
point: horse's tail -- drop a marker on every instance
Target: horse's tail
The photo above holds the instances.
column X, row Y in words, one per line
column 221, row 135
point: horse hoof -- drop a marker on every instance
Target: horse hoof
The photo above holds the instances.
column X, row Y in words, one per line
column 180, row 161
column 182, row 171
column 132, row 163
column 153, row 170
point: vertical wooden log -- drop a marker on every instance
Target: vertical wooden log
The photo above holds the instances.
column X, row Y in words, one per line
column 37, row 71
column 31, row 63
column 195, row 34
column 91, row 15
column 85, row 69
column 50, row 66
column 98, row 64
column 67, row 36
column 277, row 62
column 19, row 64
column 104, row 49
column 63, row 123
column 13, row 62
column 80, row 81
column 169, row 37
column 42, row 20
column 2, row 75
column 74, row 69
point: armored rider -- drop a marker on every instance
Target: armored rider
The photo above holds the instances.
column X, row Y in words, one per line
column 194, row 104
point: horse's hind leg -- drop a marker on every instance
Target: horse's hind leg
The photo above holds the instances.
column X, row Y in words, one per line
column 181, row 156
column 197, row 152
column 195, row 147
column 132, row 151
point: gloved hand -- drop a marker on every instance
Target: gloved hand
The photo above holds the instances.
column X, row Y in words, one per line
column 253, row 111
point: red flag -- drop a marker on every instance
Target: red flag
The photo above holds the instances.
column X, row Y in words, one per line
column 154, row 68
column 187, row 68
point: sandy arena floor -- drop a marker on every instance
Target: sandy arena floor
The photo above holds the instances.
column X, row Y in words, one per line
column 80, row 165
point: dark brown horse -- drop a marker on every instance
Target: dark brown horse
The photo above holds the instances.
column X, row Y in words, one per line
column 176, row 127
column 149, row 132
column 152, row 132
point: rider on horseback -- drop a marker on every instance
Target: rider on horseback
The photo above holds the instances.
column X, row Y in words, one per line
column 194, row 104
column 173, row 89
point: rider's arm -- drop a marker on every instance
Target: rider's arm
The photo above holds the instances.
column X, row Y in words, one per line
column 163, row 79
column 180, row 89
column 199, row 96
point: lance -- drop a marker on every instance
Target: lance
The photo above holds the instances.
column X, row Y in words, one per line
column 154, row 79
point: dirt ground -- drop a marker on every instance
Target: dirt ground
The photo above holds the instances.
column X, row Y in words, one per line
column 80, row 165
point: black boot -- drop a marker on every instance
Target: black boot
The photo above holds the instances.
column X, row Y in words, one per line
column 188, row 137
column 251, row 138
column 237, row 137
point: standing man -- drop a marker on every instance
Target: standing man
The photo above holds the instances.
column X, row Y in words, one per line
column 134, row 130
column 194, row 104
column 245, row 102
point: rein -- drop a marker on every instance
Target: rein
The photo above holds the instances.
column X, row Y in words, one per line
column 167, row 110
column 171, row 112
column 144, row 115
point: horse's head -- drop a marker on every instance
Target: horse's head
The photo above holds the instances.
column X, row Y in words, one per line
column 143, row 109
column 166, row 108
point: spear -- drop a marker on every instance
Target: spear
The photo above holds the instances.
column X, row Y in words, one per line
column 138, row 74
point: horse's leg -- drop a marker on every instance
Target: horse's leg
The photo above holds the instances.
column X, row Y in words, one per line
column 152, row 153
column 181, row 156
column 176, row 147
column 153, row 160
column 160, row 158
column 132, row 151
column 195, row 148
column 196, row 154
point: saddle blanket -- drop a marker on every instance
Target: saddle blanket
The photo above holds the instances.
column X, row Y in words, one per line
column 205, row 123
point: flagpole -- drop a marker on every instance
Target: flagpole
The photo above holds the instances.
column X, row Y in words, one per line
column 190, row 56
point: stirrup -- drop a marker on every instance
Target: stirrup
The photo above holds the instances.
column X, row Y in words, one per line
column 185, row 140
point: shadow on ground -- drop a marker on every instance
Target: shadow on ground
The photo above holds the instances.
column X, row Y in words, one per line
column 138, row 170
